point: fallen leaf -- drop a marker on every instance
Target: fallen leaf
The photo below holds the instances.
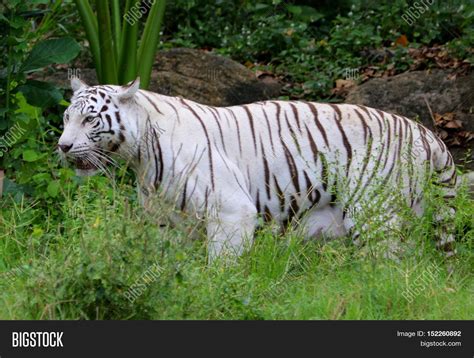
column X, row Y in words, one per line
column 344, row 83
column 342, row 87
column 455, row 124
column 248, row 64
column 402, row 40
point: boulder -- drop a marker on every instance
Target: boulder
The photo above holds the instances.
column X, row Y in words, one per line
column 208, row 78
column 412, row 94
column 192, row 74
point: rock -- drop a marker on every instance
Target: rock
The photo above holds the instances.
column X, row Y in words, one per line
column 405, row 94
column 209, row 79
column 60, row 77
column 192, row 74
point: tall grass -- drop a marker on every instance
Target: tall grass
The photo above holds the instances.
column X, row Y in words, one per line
column 83, row 265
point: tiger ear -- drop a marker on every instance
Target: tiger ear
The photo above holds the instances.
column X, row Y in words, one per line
column 129, row 90
column 77, row 84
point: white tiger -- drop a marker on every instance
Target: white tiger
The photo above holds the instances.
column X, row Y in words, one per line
column 284, row 161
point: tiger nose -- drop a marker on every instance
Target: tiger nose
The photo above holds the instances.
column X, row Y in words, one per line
column 65, row 147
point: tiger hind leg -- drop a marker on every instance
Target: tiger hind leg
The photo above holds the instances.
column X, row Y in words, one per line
column 446, row 182
column 230, row 231
column 445, row 227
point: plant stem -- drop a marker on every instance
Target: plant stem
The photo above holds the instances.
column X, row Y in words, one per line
column 116, row 26
column 128, row 50
column 107, row 52
column 90, row 26
column 149, row 42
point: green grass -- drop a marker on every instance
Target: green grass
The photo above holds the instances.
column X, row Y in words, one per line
column 80, row 264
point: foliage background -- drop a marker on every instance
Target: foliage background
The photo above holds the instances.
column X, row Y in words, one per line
column 70, row 247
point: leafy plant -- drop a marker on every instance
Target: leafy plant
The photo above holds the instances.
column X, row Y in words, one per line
column 17, row 92
column 113, row 41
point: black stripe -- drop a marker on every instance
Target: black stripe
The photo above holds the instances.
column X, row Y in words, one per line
column 295, row 113
column 281, row 196
column 292, row 167
column 250, row 117
column 194, row 188
column 156, row 181
column 183, row 201
column 206, row 198
column 160, row 157
column 219, row 127
column 293, row 209
column 364, row 125
column 410, row 164
column 151, row 102
column 174, row 109
column 269, row 128
column 257, row 203
column 238, row 129
column 345, row 141
column 310, row 189
column 293, row 134
column 266, row 171
column 426, row 145
column 324, row 171
column 389, row 137
column 267, row 215
column 335, row 107
column 400, row 144
column 316, row 120
column 312, row 145
column 209, row 149
column 278, row 117
column 109, row 120
column 362, row 172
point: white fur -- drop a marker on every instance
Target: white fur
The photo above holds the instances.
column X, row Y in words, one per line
column 210, row 154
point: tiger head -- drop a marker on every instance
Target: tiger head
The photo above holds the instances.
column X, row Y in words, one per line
column 93, row 125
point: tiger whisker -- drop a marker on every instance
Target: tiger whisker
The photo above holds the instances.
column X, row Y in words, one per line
column 97, row 163
column 106, row 157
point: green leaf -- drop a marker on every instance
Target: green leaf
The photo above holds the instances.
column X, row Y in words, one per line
column 297, row 10
column 149, row 42
column 30, row 155
column 107, row 51
column 89, row 21
column 26, row 108
column 40, row 94
column 10, row 187
column 53, row 188
column 51, row 51
column 304, row 13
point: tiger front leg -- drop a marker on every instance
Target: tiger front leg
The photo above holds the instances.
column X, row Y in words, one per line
column 230, row 231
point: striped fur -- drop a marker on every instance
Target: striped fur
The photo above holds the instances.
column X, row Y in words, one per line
column 320, row 165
